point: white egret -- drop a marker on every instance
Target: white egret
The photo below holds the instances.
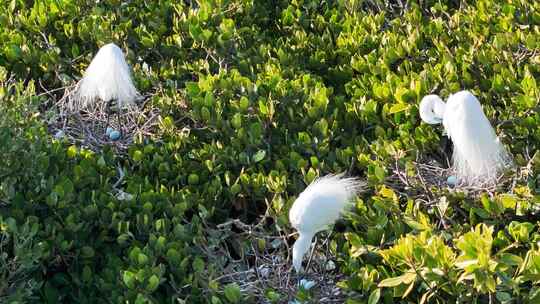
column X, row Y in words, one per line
column 319, row 206
column 107, row 78
column 478, row 156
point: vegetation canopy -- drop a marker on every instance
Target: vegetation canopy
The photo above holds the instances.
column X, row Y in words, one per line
column 253, row 100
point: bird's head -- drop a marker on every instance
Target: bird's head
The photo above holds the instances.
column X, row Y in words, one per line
column 432, row 109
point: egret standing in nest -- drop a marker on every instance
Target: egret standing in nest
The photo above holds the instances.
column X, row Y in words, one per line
column 319, row 206
column 108, row 79
column 479, row 157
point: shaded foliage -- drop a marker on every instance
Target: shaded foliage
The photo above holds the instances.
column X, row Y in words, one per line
column 260, row 97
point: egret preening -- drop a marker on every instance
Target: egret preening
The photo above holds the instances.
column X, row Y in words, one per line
column 478, row 156
column 319, row 206
column 107, row 78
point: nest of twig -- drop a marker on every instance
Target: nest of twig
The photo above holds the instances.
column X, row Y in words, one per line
column 88, row 126
column 259, row 262
column 427, row 176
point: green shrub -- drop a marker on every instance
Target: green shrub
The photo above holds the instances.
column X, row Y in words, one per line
column 19, row 260
column 258, row 98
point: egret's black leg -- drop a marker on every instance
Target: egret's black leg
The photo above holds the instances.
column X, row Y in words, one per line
column 311, row 254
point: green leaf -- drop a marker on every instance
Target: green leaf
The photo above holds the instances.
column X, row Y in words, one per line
column 374, row 296
column 259, row 156
column 87, row 252
column 398, row 107
column 86, row 274
column 192, row 89
column 379, row 173
column 508, row 201
column 198, row 265
column 101, row 161
column 503, row 297
column 129, row 279
column 11, row 224
column 209, row 99
column 510, row 259
column 72, row 151
column 406, row 278
column 273, row 296
column 193, row 179
column 153, row 283
column 142, row 259
column 237, row 121
column 51, row 294
column 520, row 231
column 195, row 31
column 233, row 293
column 137, row 156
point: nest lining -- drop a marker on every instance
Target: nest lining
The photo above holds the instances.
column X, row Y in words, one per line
column 87, row 126
column 258, row 270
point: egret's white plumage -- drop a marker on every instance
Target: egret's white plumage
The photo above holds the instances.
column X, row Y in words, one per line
column 107, row 78
column 319, row 206
column 432, row 109
column 478, row 156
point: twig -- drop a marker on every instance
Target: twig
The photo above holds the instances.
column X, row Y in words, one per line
column 274, row 260
column 88, row 126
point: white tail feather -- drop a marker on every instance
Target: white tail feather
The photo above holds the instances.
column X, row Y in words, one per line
column 337, row 182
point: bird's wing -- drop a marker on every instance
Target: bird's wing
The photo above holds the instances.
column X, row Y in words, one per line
column 315, row 213
column 321, row 203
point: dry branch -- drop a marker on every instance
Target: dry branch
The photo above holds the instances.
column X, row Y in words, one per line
column 88, row 127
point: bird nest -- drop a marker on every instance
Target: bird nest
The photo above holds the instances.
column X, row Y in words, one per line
column 260, row 263
column 426, row 177
column 89, row 126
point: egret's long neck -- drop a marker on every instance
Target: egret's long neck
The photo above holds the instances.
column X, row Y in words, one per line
column 432, row 109
column 301, row 246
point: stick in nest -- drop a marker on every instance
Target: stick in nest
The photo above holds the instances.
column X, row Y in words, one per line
column 265, row 264
column 430, row 176
column 88, row 127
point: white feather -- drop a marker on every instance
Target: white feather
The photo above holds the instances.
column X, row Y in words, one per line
column 319, row 206
column 107, row 78
column 479, row 157
column 432, row 109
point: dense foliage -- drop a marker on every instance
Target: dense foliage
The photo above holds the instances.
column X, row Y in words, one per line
column 258, row 98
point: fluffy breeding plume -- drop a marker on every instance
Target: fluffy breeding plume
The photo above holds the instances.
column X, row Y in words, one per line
column 479, row 156
column 319, row 206
column 107, row 78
